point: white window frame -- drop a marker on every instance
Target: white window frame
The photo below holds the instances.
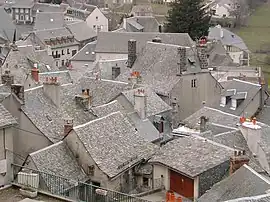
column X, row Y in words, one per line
column 26, row 10
column 21, row 10
column 223, row 101
column 16, row 10
column 234, row 104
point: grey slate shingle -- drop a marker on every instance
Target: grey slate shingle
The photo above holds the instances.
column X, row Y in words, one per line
column 244, row 182
column 6, row 119
column 62, row 76
column 106, row 109
column 49, row 20
column 87, row 53
column 259, row 198
column 111, row 141
column 147, row 23
column 81, row 31
column 191, row 156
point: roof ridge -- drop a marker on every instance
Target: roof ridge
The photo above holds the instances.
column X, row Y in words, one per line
column 247, row 82
column 257, row 174
column 45, row 148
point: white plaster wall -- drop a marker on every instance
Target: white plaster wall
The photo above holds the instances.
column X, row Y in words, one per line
column 66, row 56
column 159, row 170
column 252, row 137
column 110, row 56
column 97, row 18
column 236, row 56
column 263, row 159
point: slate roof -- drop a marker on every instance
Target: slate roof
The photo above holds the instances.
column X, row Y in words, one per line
column 6, row 29
column 81, row 31
column 62, row 76
column 112, row 141
column 147, row 23
column 142, row 9
column 106, row 109
column 117, row 42
column 49, row 20
column 259, row 198
column 87, row 53
column 58, row 159
column 154, row 104
column 229, row 38
column 241, row 86
column 244, row 182
column 158, row 66
column 23, row 4
column 47, row 7
column 4, row 91
column 264, row 114
column 6, row 119
column 191, row 156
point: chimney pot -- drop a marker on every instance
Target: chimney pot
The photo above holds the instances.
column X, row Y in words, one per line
column 7, row 78
column 68, row 126
column 203, row 121
column 238, row 160
column 51, row 88
column 140, row 103
column 35, row 75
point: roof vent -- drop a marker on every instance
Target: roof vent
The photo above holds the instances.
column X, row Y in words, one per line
column 51, row 20
column 86, row 52
column 93, row 53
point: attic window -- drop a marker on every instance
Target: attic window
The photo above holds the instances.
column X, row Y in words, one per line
column 91, row 170
column 232, row 35
column 226, row 97
column 237, row 99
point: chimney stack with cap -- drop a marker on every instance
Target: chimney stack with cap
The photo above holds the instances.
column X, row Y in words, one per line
column 131, row 53
column 7, row 78
column 18, row 90
column 68, row 126
column 182, row 65
column 140, row 102
column 84, row 99
column 51, row 88
column 35, row 72
column 237, row 160
column 201, row 51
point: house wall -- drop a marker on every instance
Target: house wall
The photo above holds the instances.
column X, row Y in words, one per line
column 27, row 138
column 106, row 68
column 189, row 98
column 67, row 50
column 159, row 171
column 221, row 11
column 212, row 176
column 110, row 56
column 22, row 15
column 6, row 157
column 97, row 21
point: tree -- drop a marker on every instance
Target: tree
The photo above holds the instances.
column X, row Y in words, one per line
column 188, row 16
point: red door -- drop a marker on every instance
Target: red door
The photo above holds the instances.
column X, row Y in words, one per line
column 181, row 184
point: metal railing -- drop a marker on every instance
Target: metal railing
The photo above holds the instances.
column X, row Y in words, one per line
column 68, row 188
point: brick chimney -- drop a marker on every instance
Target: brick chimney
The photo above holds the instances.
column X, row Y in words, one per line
column 34, row 73
column 18, row 90
column 84, row 99
column 182, row 64
column 68, row 126
column 140, row 102
column 237, row 160
column 203, row 121
column 131, row 53
column 7, row 78
column 51, row 88
column 201, row 52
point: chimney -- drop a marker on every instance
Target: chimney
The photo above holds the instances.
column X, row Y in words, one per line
column 203, row 121
column 68, row 126
column 251, row 132
column 84, row 99
column 34, row 73
column 7, row 78
column 182, row 65
column 201, row 51
column 18, row 90
column 51, row 88
column 134, row 78
column 140, row 102
column 156, row 40
column 131, row 53
column 238, row 160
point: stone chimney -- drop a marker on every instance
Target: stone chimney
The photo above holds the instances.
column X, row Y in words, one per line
column 201, row 51
column 182, row 65
column 34, row 73
column 135, row 78
column 140, row 102
column 238, row 160
column 18, row 90
column 203, row 121
column 51, row 88
column 7, row 78
column 131, row 53
column 252, row 133
column 156, row 40
column 84, row 99
column 68, row 126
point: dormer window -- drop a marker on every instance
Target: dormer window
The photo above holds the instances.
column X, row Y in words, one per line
column 237, row 99
column 225, row 98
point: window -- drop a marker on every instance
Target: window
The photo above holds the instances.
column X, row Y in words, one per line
column 159, row 124
column 96, row 17
column 229, row 48
column 56, row 63
column 94, row 26
column 74, row 52
column 234, row 104
column 91, row 170
column 145, row 181
column 115, row 72
column 26, row 17
column 63, row 62
column 21, row 10
column 17, row 17
column 21, row 17
column 26, row 10
column 224, row 15
column 52, row 52
column 194, row 83
column 68, row 52
column 16, row 10
column 63, row 52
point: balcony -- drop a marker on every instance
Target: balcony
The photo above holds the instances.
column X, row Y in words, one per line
column 56, row 56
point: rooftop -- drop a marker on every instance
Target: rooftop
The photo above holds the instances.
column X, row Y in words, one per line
column 119, row 145
column 49, row 20
column 243, row 183
column 194, row 155
column 81, row 31
column 87, row 53
column 106, row 109
column 6, row 119
column 145, row 23
column 23, row 4
column 62, row 76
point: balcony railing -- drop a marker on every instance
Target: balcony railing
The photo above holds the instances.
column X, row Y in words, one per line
column 68, row 188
